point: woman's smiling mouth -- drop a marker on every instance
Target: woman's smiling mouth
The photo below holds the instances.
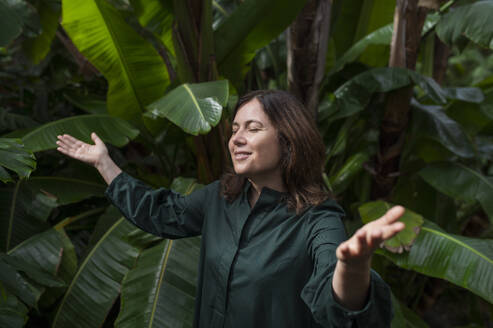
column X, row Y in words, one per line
column 241, row 155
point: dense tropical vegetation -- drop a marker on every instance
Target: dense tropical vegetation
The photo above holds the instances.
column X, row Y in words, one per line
column 402, row 92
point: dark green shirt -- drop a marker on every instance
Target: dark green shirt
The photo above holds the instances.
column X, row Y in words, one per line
column 259, row 267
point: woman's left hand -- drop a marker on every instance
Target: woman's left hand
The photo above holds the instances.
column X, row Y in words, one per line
column 358, row 249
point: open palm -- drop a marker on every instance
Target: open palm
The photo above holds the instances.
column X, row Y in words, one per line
column 75, row 148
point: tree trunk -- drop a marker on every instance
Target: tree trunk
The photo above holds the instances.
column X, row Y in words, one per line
column 408, row 24
column 307, row 43
column 440, row 60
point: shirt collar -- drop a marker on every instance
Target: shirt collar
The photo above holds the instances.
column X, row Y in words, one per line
column 266, row 194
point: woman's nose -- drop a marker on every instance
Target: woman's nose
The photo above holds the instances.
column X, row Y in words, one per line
column 238, row 138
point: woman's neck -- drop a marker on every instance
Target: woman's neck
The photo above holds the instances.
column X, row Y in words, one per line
column 258, row 184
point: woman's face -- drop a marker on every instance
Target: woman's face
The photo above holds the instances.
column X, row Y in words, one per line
column 254, row 144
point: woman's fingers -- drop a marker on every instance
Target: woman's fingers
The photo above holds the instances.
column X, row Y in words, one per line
column 393, row 214
column 96, row 139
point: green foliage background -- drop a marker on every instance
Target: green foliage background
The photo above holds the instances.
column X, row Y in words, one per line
column 156, row 80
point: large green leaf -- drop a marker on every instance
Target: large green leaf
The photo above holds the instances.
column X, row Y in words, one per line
column 412, row 192
column 473, row 117
column 353, row 165
column 404, row 239
column 110, row 129
column 472, row 21
column 432, row 121
column 466, row 262
column 462, row 183
column 157, row 16
column 380, row 36
column 12, row 121
column 37, row 48
column 195, row 108
column 13, row 313
column 135, row 72
column 14, row 15
column 90, row 103
column 14, row 156
column 355, row 94
column 66, row 190
column 43, row 251
column 160, row 290
column 14, row 282
column 22, row 214
column 97, row 283
column 374, row 15
column 32, row 264
column 250, row 27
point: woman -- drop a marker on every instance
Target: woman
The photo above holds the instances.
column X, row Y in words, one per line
column 273, row 252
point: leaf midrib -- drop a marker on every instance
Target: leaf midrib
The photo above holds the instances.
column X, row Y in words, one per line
column 119, row 52
column 160, row 281
column 457, row 241
column 82, row 266
column 11, row 216
column 194, row 100
column 64, row 120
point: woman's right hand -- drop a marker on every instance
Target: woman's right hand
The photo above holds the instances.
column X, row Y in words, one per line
column 91, row 154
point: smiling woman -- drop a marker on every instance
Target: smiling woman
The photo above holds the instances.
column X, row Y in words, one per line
column 274, row 136
column 273, row 249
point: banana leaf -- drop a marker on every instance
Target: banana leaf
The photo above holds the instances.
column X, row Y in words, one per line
column 13, row 313
column 11, row 121
column 474, row 118
column 156, row 16
column 373, row 15
column 32, row 266
column 160, row 290
column 16, row 15
column 250, row 27
column 110, row 129
column 22, row 214
column 90, row 103
column 431, row 121
column 135, row 72
column 404, row 239
column 66, row 190
column 97, row 283
column 353, row 165
column 465, row 262
column 353, row 96
column 44, row 251
column 195, row 108
column 37, row 48
column 461, row 182
column 16, row 157
column 380, row 36
column 16, row 284
column 471, row 20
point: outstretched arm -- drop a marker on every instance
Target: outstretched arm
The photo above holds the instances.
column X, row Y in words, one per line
column 351, row 279
column 95, row 155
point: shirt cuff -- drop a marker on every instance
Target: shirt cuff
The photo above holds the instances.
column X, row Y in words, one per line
column 114, row 183
column 376, row 313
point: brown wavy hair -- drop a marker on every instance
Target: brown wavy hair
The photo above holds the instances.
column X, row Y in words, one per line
column 302, row 150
